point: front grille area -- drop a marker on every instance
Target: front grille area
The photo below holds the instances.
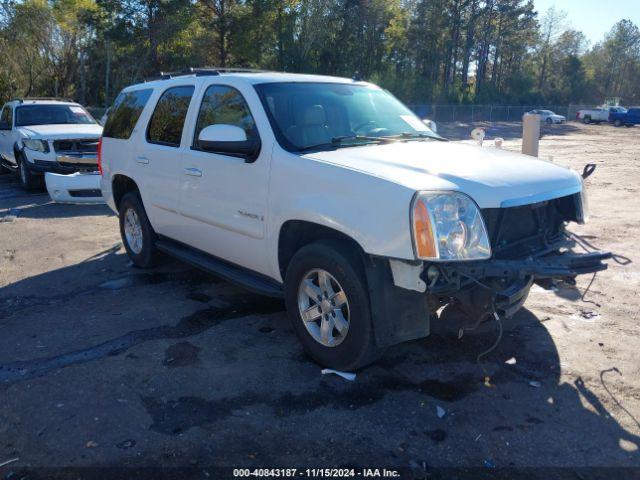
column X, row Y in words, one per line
column 518, row 232
column 82, row 146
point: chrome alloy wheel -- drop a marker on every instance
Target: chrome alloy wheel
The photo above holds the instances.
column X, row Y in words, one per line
column 133, row 231
column 323, row 307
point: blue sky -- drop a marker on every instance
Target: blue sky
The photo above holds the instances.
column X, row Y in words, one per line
column 594, row 18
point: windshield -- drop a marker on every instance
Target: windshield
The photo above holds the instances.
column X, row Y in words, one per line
column 305, row 116
column 52, row 115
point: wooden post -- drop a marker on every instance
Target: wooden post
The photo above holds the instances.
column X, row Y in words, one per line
column 530, row 134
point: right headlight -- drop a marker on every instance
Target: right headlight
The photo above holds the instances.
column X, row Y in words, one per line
column 36, row 145
column 448, row 226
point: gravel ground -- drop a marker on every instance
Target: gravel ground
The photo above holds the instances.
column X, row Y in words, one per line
column 103, row 364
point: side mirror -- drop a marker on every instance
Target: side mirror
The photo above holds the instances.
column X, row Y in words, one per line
column 430, row 124
column 5, row 126
column 228, row 139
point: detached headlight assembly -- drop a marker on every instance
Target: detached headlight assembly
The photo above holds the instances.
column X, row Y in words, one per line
column 36, row 145
column 448, row 226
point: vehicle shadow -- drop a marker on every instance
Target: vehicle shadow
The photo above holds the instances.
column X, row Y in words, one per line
column 60, row 210
column 505, row 130
column 526, row 403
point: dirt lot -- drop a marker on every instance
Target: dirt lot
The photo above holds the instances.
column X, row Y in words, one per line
column 102, row 364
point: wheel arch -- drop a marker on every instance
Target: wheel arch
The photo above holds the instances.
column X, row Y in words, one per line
column 17, row 151
column 121, row 185
column 295, row 234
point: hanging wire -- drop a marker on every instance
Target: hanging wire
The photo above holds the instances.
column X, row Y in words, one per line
column 495, row 344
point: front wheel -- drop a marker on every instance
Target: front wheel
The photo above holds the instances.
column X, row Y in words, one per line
column 549, row 121
column 328, row 305
column 28, row 180
column 617, row 123
column 137, row 234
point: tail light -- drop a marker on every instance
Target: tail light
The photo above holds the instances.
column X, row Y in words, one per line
column 100, row 155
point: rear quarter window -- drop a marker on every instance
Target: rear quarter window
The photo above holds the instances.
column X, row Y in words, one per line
column 125, row 113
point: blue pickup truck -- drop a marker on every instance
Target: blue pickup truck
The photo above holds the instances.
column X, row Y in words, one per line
column 628, row 119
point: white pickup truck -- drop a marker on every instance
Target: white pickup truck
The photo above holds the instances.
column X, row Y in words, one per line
column 597, row 115
column 52, row 137
column 332, row 194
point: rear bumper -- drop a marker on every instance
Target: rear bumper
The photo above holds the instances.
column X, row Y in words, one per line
column 74, row 188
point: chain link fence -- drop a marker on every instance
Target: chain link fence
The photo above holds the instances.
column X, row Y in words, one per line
column 489, row 113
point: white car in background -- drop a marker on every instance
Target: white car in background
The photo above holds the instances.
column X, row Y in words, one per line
column 548, row 117
column 52, row 138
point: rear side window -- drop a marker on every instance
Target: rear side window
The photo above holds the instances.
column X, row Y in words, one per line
column 226, row 105
column 125, row 113
column 167, row 121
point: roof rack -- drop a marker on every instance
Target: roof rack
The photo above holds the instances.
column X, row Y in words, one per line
column 203, row 72
column 57, row 99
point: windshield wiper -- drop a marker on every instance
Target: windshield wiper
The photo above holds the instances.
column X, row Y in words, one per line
column 417, row 136
column 337, row 141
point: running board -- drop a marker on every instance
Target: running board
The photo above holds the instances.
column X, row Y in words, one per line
column 240, row 276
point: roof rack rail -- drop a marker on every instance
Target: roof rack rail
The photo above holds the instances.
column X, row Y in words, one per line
column 58, row 99
column 203, row 72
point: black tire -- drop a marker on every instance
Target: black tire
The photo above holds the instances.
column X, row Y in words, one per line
column 549, row 121
column 28, row 180
column 586, row 120
column 358, row 348
column 145, row 256
column 617, row 123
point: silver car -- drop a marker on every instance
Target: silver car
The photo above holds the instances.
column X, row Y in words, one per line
column 549, row 117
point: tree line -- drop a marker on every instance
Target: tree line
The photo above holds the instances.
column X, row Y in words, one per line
column 424, row 51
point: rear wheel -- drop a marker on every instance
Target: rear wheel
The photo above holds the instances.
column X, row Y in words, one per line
column 586, row 119
column 617, row 122
column 137, row 234
column 328, row 305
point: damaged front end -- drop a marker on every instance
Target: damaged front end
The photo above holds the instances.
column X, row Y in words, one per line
column 529, row 244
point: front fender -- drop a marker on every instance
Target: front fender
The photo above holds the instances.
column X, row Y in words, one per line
column 372, row 211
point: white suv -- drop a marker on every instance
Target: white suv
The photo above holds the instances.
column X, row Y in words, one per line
column 331, row 193
column 47, row 135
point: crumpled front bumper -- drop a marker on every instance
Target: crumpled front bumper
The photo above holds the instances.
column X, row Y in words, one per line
column 504, row 284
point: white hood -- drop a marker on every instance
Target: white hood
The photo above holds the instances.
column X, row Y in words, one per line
column 61, row 131
column 493, row 178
